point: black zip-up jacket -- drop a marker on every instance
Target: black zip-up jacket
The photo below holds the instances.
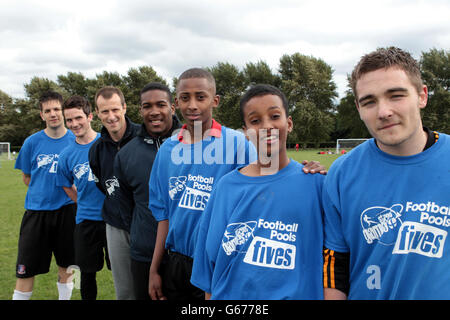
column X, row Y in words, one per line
column 101, row 161
column 132, row 167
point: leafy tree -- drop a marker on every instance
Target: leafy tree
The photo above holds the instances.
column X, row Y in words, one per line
column 435, row 68
column 348, row 122
column 230, row 84
column 260, row 72
column 310, row 90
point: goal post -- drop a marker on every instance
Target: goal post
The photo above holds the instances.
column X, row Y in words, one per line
column 5, row 151
column 348, row 143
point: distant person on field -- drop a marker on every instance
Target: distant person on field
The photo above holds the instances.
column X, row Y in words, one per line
column 49, row 220
column 387, row 201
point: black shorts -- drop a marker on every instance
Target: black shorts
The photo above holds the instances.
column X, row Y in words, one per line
column 90, row 246
column 43, row 233
column 176, row 278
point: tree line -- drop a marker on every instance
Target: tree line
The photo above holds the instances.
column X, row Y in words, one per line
column 307, row 82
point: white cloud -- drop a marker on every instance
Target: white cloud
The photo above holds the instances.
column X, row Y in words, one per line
column 49, row 38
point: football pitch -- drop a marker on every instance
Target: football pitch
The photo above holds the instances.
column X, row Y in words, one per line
column 12, row 196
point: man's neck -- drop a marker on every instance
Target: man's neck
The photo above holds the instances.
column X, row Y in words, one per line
column 197, row 132
column 117, row 136
column 87, row 138
column 55, row 133
column 412, row 146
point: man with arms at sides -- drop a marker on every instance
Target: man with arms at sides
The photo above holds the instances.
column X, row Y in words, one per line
column 132, row 167
column 90, row 234
column 117, row 131
column 387, row 201
column 49, row 220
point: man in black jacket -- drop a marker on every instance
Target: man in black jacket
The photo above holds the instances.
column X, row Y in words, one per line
column 132, row 167
column 117, row 131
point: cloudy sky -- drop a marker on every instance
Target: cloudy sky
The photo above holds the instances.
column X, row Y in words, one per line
column 49, row 38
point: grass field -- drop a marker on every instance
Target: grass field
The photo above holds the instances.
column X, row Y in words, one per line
column 12, row 196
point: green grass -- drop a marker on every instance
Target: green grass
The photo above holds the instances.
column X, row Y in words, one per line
column 325, row 159
column 12, row 196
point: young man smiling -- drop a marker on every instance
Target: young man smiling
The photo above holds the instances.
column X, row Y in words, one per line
column 132, row 167
column 49, row 219
column 74, row 170
column 173, row 184
column 117, row 131
column 253, row 236
column 375, row 235
column 180, row 189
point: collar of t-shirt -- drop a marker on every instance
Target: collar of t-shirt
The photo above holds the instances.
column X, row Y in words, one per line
column 432, row 137
column 215, row 131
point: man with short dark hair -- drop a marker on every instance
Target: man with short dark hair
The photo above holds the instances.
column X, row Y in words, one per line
column 49, row 220
column 90, row 234
column 132, row 167
column 117, row 131
column 386, row 202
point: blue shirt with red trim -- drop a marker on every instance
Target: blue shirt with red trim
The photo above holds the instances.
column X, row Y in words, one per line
column 186, row 174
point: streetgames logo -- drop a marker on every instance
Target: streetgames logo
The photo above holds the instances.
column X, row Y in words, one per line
column 176, row 186
column 381, row 224
column 111, row 185
column 48, row 160
column 236, row 235
column 81, row 169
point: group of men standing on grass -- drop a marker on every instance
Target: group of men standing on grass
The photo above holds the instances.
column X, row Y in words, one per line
column 230, row 225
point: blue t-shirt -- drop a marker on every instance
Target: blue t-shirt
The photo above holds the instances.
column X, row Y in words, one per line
column 262, row 237
column 38, row 157
column 392, row 214
column 185, row 175
column 74, row 169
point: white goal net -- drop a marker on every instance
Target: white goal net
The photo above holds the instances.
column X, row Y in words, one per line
column 347, row 144
column 5, row 151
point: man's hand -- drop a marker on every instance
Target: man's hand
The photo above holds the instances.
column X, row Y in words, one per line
column 313, row 167
column 155, row 286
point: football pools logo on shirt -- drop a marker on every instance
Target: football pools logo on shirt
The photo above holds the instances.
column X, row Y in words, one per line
column 273, row 251
column 420, row 230
column 194, row 197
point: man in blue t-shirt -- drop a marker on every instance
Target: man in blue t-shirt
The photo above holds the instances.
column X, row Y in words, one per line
column 49, row 220
column 386, row 202
column 189, row 164
column 74, row 169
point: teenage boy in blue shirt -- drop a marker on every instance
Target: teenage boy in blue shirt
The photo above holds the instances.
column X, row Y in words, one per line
column 49, row 220
column 255, row 241
column 386, row 202
column 189, row 166
column 74, row 169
